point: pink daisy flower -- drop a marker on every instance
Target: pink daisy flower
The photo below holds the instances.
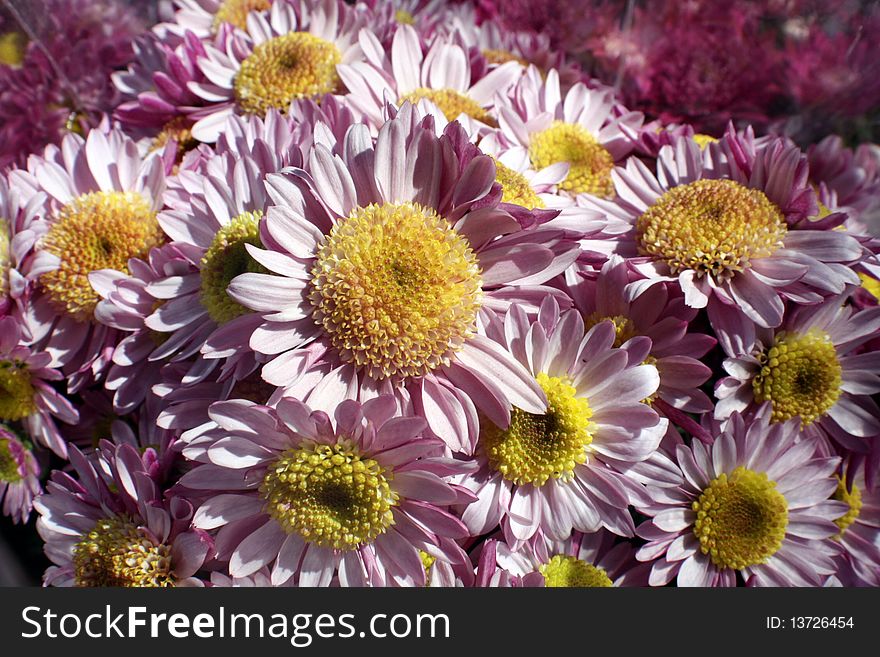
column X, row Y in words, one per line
column 859, row 530
column 660, row 314
column 753, row 509
column 361, row 495
column 731, row 224
column 585, row 128
column 251, row 72
column 569, row 468
column 27, row 394
column 440, row 81
column 102, row 199
column 19, row 477
column 112, row 527
column 811, row 368
column 582, row 560
column 420, row 232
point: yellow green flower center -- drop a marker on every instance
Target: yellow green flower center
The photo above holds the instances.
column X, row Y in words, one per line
column 871, row 284
column 800, row 375
column 741, row 519
column 570, row 572
column 99, row 230
column 535, row 448
column 624, row 329
column 396, row 289
column 427, row 563
column 5, row 257
column 590, row 163
column 226, row 258
column 236, row 12
column 16, row 392
column 330, row 495
column 515, row 188
column 116, row 553
column 495, row 56
column 9, row 472
column 12, row 48
column 452, row 103
column 177, row 130
column 403, row 17
column 854, row 499
column 704, row 140
column 714, row 227
column 285, row 68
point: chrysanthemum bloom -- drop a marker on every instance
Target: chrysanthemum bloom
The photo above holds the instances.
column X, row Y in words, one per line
column 754, row 508
column 101, row 207
column 661, row 315
column 20, row 228
column 382, row 260
column 440, row 80
column 19, row 476
column 290, row 53
column 27, row 394
column 125, row 304
column 859, row 530
column 810, row 368
column 204, row 17
column 582, row 560
column 361, row 495
column 585, row 128
column 567, row 468
column 731, row 224
column 110, row 526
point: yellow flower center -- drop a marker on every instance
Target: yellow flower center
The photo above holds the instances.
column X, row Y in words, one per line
column 236, row 12
column 5, row 258
column 331, row 495
column 403, row 17
column 713, row 227
column 452, row 103
column 871, row 284
column 704, row 140
column 624, row 329
column 535, row 448
column 741, row 519
column 570, row 572
column 494, row 56
column 226, row 258
column 16, row 392
column 9, row 472
column 99, row 230
column 854, row 499
column 285, row 68
column 427, row 563
column 396, row 289
column 515, row 188
column 12, row 48
column 590, row 163
column 117, row 553
column 178, row 130
column 800, row 375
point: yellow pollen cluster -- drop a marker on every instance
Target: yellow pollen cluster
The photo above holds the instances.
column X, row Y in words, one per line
column 396, row 289
column 99, row 230
column 800, row 375
column 403, row 17
column 452, row 103
column 515, row 188
column 854, row 499
column 285, row 68
column 5, row 258
column 591, row 163
column 12, row 48
column 9, row 472
column 741, row 519
column 535, row 448
column 330, row 495
column 494, row 56
column 565, row 571
column 871, row 284
column 624, row 329
column 178, row 130
column 714, row 227
column 704, row 140
column 427, row 562
column 226, row 258
column 116, row 553
column 236, row 12
column 16, row 392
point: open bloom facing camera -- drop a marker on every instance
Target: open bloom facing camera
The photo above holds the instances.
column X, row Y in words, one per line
column 439, row 293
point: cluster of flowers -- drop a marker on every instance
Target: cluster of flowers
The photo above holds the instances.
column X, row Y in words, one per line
column 370, row 295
